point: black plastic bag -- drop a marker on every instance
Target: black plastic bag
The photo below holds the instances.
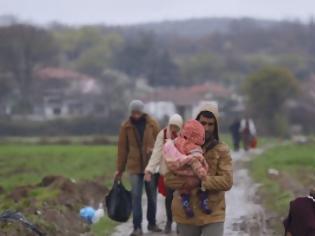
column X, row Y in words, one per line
column 119, row 203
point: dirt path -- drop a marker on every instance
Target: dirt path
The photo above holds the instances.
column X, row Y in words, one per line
column 244, row 216
column 126, row 228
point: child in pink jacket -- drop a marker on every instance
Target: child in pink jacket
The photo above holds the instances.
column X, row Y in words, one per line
column 184, row 156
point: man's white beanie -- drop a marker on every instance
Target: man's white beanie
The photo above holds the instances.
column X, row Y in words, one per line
column 136, row 105
column 176, row 120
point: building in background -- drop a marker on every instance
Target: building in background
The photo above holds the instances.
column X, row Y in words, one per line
column 163, row 102
column 63, row 93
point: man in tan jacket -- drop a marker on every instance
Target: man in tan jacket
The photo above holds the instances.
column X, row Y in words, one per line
column 219, row 180
column 136, row 140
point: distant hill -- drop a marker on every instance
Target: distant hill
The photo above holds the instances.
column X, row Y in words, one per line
column 6, row 20
column 195, row 28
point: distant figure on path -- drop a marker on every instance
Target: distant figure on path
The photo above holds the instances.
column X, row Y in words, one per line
column 301, row 218
column 248, row 132
column 236, row 134
column 136, row 140
column 218, row 180
column 157, row 163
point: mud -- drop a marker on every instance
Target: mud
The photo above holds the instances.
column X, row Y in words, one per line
column 245, row 216
column 126, row 228
column 58, row 215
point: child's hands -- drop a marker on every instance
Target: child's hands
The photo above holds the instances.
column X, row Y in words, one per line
column 191, row 183
column 204, row 178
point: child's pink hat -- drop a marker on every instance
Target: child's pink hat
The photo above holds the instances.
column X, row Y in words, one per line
column 194, row 132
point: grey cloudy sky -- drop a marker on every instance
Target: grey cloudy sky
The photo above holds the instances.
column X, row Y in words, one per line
column 135, row 11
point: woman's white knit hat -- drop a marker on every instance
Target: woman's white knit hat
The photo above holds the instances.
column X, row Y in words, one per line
column 177, row 120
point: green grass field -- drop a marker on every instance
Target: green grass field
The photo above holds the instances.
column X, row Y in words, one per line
column 27, row 164
column 296, row 164
column 22, row 164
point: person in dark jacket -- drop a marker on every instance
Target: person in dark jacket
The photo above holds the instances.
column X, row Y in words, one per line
column 301, row 218
column 136, row 141
column 236, row 134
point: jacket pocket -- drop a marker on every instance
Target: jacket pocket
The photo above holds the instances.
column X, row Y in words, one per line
column 133, row 163
column 216, row 201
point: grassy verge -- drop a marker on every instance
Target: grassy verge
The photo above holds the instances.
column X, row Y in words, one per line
column 63, row 140
column 104, row 227
column 28, row 164
column 296, row 165
column 262, row 141
column 23, row 164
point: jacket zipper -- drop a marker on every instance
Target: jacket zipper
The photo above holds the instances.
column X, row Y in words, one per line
column 139, row 143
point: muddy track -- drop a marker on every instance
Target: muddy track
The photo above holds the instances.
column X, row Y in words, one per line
column 245, row 216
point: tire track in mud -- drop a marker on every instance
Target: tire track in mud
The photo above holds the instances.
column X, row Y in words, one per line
column 245, row 216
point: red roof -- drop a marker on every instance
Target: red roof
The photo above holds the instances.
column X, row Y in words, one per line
column 189, row 95
column 47, row 73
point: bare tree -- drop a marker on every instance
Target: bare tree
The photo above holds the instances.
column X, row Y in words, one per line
column 22, row 48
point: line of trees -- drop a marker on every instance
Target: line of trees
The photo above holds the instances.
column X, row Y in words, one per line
column 171, row 59
column 267, row 92
column 118, row 56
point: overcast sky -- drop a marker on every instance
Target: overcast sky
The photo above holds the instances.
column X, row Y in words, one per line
column 136, row 11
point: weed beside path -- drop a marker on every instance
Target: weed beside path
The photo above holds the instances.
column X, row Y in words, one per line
column 285, row 172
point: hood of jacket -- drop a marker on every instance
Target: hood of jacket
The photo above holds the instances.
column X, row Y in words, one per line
column 214, row 109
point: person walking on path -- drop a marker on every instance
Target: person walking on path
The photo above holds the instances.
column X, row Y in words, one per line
column 236, row 134
column 301, row 218
column 248, row 131
column 157, row 163
column 136, row 140
column 218, row 180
